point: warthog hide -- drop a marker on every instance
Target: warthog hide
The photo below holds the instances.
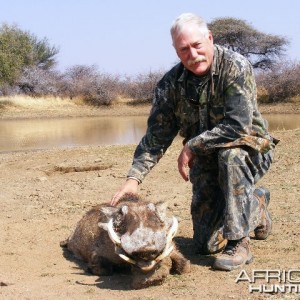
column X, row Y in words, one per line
column 134, row 234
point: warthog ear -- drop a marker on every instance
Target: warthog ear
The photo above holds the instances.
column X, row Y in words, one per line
column 161, row 210
column 124, row 210
column 108, row 211
column 151, row 206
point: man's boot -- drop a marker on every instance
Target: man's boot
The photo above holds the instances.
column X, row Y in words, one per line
column 236, row 254
column 264, row 228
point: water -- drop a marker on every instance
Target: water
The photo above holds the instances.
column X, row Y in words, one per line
column 44, row 134
column 16, row 135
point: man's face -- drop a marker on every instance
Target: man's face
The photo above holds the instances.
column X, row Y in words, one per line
column 194, row 50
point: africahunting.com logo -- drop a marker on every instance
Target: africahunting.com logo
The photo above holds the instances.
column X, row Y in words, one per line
column 271, row 281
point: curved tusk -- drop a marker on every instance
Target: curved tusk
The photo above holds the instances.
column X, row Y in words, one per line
column 172, row 231
column 112, row 234
column 169, row 247
column 167, row 251
column 148, row 268
column 128, row 259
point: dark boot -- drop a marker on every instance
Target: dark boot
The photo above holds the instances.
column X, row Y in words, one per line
column 264, row 228
column 236, row 254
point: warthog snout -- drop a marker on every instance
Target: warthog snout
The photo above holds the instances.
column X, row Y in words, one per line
column 145, row 255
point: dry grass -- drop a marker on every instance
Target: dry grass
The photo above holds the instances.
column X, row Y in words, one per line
column 295, row 100
column 38, row 103
column 24, row 107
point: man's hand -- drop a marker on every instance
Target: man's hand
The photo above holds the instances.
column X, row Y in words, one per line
column 130, row 186
column 185, row 160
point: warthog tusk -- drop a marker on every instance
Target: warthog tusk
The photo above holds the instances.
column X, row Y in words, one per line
column 172, row 231
column 117, row 241
column 167, row 251
column 169, row 248
column 126, row 258
column 112, row 234
column 148, row 268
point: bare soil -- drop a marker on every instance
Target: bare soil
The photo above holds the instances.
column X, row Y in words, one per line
column 44, row 194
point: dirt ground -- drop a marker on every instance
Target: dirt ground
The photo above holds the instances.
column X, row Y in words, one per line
column 44, row 193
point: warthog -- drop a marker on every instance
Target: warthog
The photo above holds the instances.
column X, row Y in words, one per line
column 135, row 235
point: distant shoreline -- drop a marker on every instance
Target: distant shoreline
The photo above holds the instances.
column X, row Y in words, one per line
column 65, row 108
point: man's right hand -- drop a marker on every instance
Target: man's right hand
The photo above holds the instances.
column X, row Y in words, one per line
column 185, row 160
column 130, row 186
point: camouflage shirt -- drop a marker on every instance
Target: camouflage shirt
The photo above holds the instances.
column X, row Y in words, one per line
column 211, row 111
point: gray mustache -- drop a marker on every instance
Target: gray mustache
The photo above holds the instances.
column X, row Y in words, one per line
column 197, row 59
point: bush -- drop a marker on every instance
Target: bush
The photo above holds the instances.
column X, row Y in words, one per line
column 279, row 85
column 87, row 83
column 38, row 82
column 8, row 90
column 141, row 88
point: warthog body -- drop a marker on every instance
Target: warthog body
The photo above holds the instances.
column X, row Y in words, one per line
column 135, row 234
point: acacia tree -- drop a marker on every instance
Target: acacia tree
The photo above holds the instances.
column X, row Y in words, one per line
column 263, row 50
column 20, row 49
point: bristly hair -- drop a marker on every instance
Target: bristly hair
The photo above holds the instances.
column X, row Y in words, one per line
column 130, row 197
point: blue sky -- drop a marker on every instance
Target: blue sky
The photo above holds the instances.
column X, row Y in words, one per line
column 132, row 36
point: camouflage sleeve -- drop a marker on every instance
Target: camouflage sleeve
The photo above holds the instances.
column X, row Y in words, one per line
column 239, row 92
column 161, row 130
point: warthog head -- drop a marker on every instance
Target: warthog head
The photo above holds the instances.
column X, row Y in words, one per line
column 141, row 232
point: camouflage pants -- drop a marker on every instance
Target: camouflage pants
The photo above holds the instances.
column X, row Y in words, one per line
column 223, row 205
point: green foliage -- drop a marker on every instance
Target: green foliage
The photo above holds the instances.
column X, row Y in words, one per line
column 43, row 53
column 263, row 50
column 20, row 49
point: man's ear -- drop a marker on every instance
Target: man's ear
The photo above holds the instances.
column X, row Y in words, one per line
column 210, row 36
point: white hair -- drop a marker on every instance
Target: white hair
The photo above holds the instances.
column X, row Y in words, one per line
column 181, row 21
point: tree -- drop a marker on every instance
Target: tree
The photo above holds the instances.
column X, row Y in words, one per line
column 263, row 50
column 20, row 49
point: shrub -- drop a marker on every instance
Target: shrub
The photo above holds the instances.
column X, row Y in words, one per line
column 90, row 85
column 280, row 84
column 141, row 88
column 38, row 82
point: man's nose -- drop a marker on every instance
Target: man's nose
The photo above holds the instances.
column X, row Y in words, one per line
column 193, row 53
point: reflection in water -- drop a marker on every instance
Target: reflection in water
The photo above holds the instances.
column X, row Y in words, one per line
column 62, row 133
column 44, row 134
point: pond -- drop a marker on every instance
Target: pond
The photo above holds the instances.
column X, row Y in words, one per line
column 16, row 135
